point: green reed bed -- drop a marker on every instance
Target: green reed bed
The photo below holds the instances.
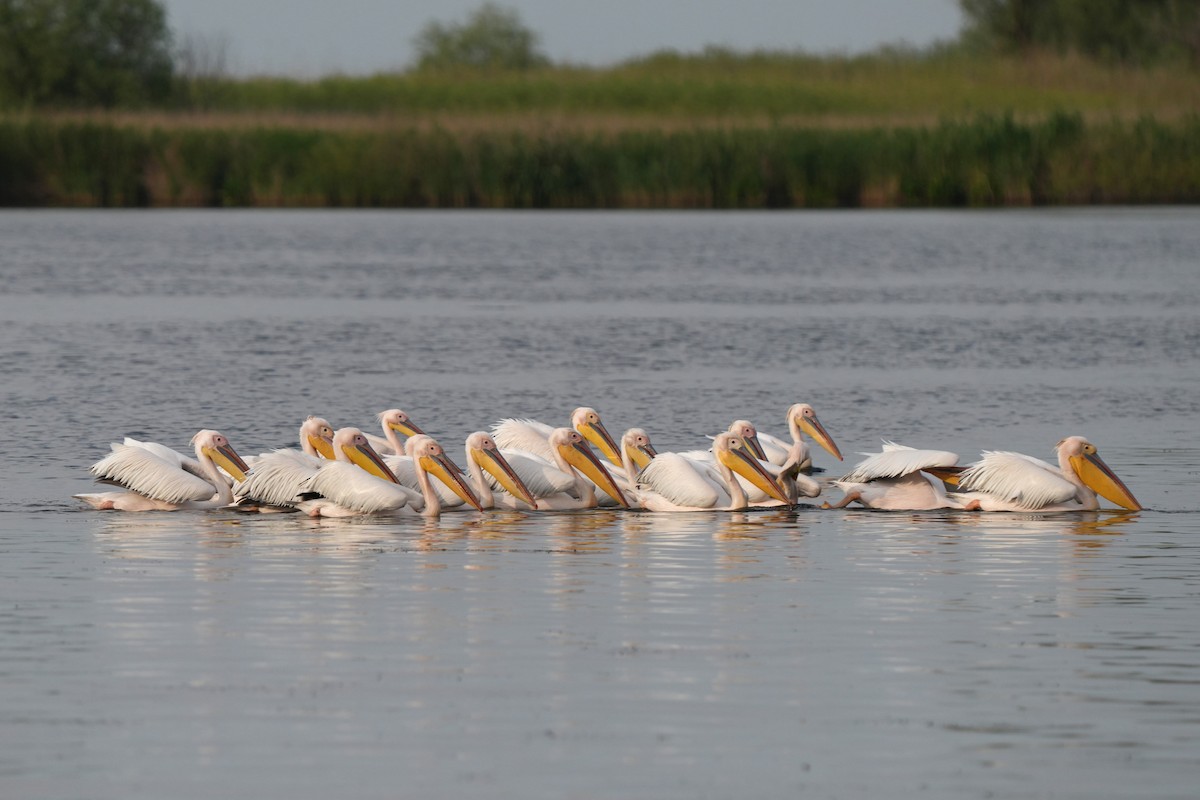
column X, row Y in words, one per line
column 988, row 161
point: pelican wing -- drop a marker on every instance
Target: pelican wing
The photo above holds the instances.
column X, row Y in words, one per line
column 353, row 488
column 147, row 473
column 381, row 445
column 775, row 449
column 186, row 463
column 681, row 481
column 1026, row 481
column 277, row 478
column 524, row 434
column 896, row 460
column 541, row 477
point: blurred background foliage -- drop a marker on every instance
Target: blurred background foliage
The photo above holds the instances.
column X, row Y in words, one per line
column 1036, row 102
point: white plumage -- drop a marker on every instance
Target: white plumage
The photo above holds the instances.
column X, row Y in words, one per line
column 1005, row 481
column 156, row 480
column 892, row 479
column 277, row 478
column 532, row 436
column 674, row 482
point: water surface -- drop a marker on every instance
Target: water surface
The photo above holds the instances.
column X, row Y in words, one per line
column 840, row 654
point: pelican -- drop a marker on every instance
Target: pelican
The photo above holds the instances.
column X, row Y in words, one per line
column 1003, row 481
column 801, row 419
column 277, row 478
column 671, row 482
column 393, row 421
column 533, row 436
column 572, row 456
column 160, row 483
column 359, row 482
column 423, row 454
column 893, row 479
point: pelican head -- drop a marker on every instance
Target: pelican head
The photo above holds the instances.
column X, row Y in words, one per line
column 745, row 429
column 570, row 444
column 433, row 459
column 636, row 442
column 482, row 449
column 349, row 444
column 398, row 421
column 587, row 422
column 318, row 434
column 734, row 452
column 217, row 448
column 1085, row 461
column 804, row 417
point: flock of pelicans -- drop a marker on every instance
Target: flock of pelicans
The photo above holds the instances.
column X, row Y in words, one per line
column 528, row 465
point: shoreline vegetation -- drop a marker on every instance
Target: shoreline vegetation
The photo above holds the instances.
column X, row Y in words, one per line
column 712, row 131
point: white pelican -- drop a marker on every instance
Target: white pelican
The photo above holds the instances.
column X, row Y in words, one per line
column 533, row 436
column 158, row 482
column 393, row 421
column 671, row 482
column 359, row 482
column 893, row 480
column 277, row 478
column 1003, row 481
column 571, row 455
column 801, row 419
column 423, row 454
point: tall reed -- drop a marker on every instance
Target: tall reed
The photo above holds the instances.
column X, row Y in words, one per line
column 988, row 161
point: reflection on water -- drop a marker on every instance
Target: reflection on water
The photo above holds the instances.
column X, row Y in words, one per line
column 828, row 653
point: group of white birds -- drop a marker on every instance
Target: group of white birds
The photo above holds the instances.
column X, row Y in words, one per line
column 528, row 465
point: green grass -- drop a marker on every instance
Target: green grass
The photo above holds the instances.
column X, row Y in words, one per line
column 987, row 161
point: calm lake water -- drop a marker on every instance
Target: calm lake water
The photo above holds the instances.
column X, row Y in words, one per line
column 818, row 653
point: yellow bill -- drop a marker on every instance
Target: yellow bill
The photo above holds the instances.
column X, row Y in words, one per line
column 498, row 467
column 596, row 433
column 1092, row 470
column 641, row 454
column 446, row 471
column 584, row 460
column 816, row 430
column 407, row 427
column 743, row 462
column 322, row 445
column 365, row 456
column 227, row 459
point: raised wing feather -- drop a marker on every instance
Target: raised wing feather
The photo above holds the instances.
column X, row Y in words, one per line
column 681, row 481
column 186, row 463
column 278, row 477
column 1026, row 481
column 524, row 434
column 152, row 475
column 896, row 460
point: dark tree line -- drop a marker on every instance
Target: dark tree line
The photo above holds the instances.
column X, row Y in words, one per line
column 84, row 52
column 1128, row 31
